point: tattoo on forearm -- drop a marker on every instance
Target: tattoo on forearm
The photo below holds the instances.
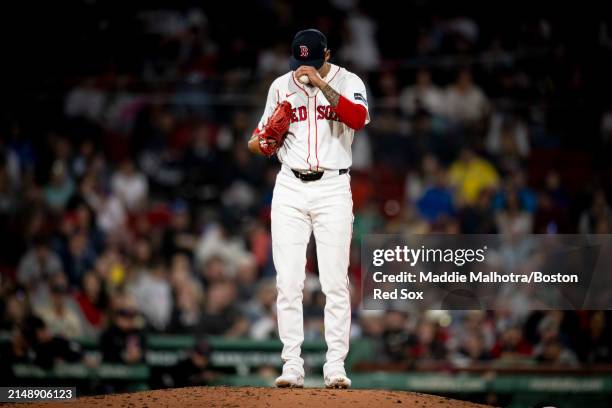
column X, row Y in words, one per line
column 331, row 95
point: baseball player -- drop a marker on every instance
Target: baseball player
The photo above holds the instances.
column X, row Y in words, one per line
column 310, row 118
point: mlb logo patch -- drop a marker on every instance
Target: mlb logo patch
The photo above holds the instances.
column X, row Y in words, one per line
column 359, row 97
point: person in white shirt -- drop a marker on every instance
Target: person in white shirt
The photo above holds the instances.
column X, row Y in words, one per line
column 465, row 101
column 130, row 185
column 422, row 95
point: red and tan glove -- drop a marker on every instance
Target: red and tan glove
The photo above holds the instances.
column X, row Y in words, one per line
column 273, row 132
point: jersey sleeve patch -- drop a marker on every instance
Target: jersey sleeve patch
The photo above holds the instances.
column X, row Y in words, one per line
column 359, row 97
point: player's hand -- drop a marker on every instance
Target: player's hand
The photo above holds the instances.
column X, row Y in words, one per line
column 311, row 73
column 271, row 142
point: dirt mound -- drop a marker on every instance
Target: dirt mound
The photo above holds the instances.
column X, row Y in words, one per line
column 217, row 397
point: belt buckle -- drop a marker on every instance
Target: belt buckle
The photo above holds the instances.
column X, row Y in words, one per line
column 309, row 175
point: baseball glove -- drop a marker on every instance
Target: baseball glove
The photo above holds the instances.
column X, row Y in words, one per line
column 273, row 133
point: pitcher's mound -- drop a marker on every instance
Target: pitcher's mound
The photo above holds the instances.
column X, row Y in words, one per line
column 218, row 397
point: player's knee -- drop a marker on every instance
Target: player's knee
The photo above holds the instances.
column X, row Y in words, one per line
column 291, row 291
column 335, row 293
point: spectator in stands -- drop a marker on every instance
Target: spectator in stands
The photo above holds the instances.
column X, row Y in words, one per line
column 513, row 220
column 260, row 243
column 10, row 168
column 396, row 336
column 595, row 344
column 82, row 219
column 466, row 323
column 471, row 350
column 367, row 219
column 273, row 60
column 511, row 345
column 470, row 174
column 220, row 315
column 60, row 187
column 437, row 200
column 78, row 257
column 597, row 219
column 194, row 370
column 217, row 241
column 14, row 351
column 428, row 341
column 141, row 257
column 551, row 349
column 372, row 324
column 83, row 158
column 262, row 311
column 130, row 186
column 187, row 308
column 46, row 349
column 59, row 312
column 508, row 140
column 552, row 214
column 181, row 275
column 8, row 186
column 465, row 101
column 86, row 100
column 123, row 341
column 38, row 265
column 214, row 270
column 112, row 216
column 246, row 278
column 153, row 294
column 187, row 296
column 92, row 301
column 479, row 218
column 424, row 94
column 516, row 183
column 15, row 308
column 425, row 176
column 359, row 47
column 178, row 237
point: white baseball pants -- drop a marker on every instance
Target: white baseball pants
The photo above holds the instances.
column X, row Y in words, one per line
column 299, row 208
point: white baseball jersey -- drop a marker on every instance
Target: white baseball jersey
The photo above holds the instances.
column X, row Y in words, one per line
column 317, row 139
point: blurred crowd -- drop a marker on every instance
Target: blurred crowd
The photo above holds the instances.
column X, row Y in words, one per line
column 129, row 203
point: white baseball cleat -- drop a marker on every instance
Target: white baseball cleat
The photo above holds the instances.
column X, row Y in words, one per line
column 337, row 381
column 290, row 378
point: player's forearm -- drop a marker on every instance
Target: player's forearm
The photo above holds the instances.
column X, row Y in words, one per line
column 331, row 95
column 351, row 114
column 254, row 146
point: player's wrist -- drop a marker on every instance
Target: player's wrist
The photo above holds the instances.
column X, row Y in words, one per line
column 319, row 83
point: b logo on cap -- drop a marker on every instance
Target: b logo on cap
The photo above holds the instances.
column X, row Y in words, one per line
column 303, row 51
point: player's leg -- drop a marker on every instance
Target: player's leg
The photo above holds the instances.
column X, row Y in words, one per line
column 332, row 224
column 291, row 230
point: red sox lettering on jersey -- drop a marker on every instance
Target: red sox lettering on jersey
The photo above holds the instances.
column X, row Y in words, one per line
column 324, row 112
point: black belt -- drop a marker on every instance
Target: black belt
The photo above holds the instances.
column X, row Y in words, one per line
column 315, row 175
